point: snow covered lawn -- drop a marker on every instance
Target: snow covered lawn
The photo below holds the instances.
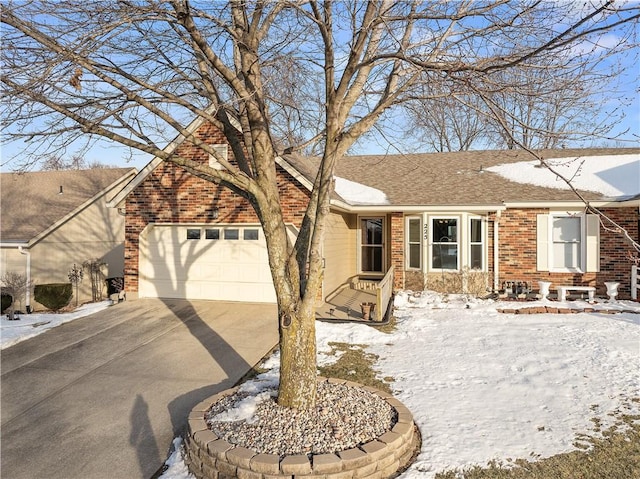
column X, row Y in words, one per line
column 484, row 385
column 30, row 325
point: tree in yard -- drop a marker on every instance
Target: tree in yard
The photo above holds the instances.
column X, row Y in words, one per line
column 15, row 285
column 95, row 268
column 75, row 277
column 296, row 74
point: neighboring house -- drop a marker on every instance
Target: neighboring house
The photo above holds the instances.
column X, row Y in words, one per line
column 53, row 219
column 427, row 215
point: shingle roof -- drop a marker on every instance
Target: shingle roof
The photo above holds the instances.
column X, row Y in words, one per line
column 457, row 178
column 31, row 202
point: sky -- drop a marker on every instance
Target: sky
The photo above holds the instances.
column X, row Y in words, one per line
column 395, row 140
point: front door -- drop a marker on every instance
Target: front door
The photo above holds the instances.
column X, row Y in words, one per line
column 372, row 245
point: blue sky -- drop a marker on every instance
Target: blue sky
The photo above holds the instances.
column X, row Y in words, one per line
column 626, row 100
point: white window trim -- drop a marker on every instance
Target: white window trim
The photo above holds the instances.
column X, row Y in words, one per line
column 384, row 244
column 484, row 224
column 458, row 218
column 583, row 242
column 408, row 243
column 221, row 149
column 241, row 227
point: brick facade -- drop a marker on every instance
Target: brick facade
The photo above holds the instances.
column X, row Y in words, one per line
column 396, row 220
column 172, row 195
column 517, row 251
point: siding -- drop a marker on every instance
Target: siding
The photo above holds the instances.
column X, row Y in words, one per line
column 339, row 251
column 95, row 232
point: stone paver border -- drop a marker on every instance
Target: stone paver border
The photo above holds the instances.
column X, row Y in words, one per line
column 209, row 457
column 561, row 310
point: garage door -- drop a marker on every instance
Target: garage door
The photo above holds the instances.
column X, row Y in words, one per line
column 227, row 263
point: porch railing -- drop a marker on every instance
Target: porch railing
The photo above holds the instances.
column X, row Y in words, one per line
column 635, row 282
column 384, row 290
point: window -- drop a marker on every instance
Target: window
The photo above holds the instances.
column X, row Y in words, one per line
column 221, row 150
column 566, row 249
column 212, row 234
column 444, row 243
column 193, row 234
column 371, row 244
column 414, row 243
column 232, row 234
column 250, row 234
column 476, row 244
column 568, row 242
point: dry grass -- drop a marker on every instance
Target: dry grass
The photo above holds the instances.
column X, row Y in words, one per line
column 355, row 364
column 610, row 454
column 613, row 453
column 467, row 281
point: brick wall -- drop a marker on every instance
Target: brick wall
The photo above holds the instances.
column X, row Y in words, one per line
column 614, row 261
column 396, row 221
column 518, row 236
column 172, row 195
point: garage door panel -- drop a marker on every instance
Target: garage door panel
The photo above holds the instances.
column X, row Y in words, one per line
column 173, row 266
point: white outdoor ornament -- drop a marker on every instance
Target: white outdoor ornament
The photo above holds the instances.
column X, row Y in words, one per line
column 612, row 289
column 544, row 289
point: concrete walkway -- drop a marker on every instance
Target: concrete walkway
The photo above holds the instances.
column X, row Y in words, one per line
column 103, row 396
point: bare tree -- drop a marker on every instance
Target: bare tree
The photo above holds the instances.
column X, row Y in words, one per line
column 15, row 285
column 446, row 121
column 551, row 105
column 137, row 73
column 95, row 267
column 552, row 102
column 76, row 162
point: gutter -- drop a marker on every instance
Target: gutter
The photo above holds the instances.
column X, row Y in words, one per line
column 27, row 301
column 349, row 208
column 571, row 204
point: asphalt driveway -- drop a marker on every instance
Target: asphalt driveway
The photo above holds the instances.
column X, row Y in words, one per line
column 103, row 396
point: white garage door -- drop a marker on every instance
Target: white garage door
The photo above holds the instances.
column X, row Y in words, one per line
column 226, row 263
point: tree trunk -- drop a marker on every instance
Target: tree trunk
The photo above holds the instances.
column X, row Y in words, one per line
column 298, row 372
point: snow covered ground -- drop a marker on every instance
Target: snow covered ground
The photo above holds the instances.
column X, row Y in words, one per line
column 30, row 325
column 484, row 385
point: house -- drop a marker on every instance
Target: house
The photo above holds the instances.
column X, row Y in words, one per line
column 431, row 217
column 52, row 220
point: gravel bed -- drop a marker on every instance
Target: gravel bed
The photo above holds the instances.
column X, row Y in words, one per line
column 344, row 417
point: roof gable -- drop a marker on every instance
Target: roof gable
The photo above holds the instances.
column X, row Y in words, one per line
column 34, row 203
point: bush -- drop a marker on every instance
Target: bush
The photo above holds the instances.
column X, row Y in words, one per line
column 6, row 302
column 54, row 296
column 115, row 285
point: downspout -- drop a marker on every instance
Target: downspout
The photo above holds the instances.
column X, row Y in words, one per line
column 496, row 252
column 27, row 301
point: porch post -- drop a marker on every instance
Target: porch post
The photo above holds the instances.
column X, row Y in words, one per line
column 496, row 251
column 397, row 249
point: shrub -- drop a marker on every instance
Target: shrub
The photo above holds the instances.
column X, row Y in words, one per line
column 6, row 301
column 54, row 296
column 115, row 285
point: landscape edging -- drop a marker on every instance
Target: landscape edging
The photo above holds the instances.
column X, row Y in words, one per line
column 209, row 457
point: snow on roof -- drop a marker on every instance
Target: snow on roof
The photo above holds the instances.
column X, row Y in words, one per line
column 359, row 194
column 611, row 175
